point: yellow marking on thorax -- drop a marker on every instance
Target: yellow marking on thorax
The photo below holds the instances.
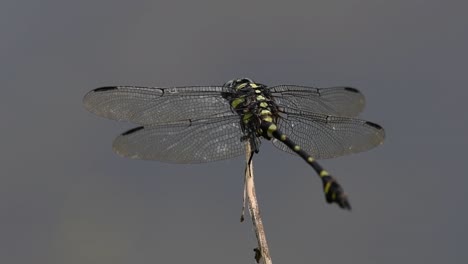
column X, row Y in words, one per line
column 240, row 86
column 265, row 112
column 246, row 118
column 260, row 98
column 254, row 85
column 237, row 101
column 263, row 105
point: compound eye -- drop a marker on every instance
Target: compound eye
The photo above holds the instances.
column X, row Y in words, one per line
column 237, row 82
column 230, row 83
column 244, row 80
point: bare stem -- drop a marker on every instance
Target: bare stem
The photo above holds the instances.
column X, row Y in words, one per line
column 262, row 253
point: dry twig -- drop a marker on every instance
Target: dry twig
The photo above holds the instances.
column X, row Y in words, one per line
column 262, row 253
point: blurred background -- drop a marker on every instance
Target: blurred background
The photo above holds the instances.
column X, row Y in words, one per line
column 65, row 197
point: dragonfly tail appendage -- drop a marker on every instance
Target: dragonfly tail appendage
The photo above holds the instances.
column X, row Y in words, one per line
column 334, row 193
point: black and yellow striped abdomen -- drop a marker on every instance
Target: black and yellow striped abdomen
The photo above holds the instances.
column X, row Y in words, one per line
column 333, row 191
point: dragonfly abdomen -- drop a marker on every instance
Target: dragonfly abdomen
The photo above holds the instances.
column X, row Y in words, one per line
column 333, row 191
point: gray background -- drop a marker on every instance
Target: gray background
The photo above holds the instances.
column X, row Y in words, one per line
column 65, row 197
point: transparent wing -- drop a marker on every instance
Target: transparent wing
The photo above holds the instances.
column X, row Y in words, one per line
column 324, row 136
column 337, row 101
column 149, row 105
column 184, row 142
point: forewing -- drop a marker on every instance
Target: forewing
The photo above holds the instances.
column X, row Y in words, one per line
column 184, row 142
column 324, row 136
column 337, row 101
column 149, row 105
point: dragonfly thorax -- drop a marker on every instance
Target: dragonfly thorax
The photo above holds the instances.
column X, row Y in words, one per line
column 253, row 103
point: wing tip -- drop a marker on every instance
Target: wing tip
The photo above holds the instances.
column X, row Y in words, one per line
column 105, row 88
column 352, row 89
column 379, row 132
column 374, row 125
column 131, row 131
column 121, row 146
column 89, row 96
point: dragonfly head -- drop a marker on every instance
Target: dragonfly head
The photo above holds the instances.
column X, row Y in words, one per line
column 238, row 83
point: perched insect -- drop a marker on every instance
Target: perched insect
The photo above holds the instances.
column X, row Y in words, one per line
column 197, row 124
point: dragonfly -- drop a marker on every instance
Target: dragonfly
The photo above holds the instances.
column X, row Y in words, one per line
column 198, row 124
